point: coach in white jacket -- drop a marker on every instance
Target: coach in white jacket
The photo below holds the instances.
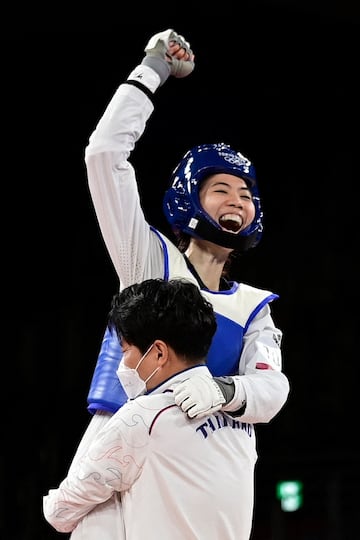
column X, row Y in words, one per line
column 178, row 477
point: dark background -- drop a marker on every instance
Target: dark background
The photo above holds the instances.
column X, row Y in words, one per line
column 278, row 80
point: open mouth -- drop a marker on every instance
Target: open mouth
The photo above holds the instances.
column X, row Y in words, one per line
column 231, row 223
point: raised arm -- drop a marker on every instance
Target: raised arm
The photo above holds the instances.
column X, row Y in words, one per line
column 134, row 250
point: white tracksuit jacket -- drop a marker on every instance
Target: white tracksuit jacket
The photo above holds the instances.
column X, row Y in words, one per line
column 179, row 478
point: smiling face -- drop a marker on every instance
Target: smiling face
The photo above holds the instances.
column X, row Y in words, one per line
column 228, row 201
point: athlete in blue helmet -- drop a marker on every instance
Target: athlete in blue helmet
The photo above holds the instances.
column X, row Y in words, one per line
column 213, row 205
column 185, row 212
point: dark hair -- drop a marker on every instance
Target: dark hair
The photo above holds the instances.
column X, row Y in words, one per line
column 173, row 311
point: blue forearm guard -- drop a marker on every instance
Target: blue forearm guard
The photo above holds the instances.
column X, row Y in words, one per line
column 106, row 392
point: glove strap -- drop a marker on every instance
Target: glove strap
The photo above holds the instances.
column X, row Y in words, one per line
column 227, row 387
column 237, row 404
column 160, row 66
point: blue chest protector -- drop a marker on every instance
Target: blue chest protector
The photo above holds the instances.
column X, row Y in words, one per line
column 234, row 308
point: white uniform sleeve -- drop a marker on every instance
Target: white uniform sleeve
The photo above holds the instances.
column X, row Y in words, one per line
column 134, row 249
column 104, row 469
column 264, row 387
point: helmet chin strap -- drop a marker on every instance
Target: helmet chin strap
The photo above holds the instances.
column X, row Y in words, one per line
column 201, row 228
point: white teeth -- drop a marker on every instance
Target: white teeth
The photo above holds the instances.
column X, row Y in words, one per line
column 231, row 217
column 231, row 222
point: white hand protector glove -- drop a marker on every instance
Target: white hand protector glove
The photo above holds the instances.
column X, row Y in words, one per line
column 161, row 58
column 199, row 396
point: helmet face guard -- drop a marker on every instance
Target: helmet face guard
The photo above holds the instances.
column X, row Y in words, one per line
column 181, row 203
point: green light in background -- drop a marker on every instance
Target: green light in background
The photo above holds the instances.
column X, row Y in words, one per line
column 290, row 494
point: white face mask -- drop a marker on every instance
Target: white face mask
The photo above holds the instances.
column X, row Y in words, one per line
column 130, row 379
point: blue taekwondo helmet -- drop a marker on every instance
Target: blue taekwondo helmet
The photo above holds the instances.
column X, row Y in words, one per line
column 181, row 202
